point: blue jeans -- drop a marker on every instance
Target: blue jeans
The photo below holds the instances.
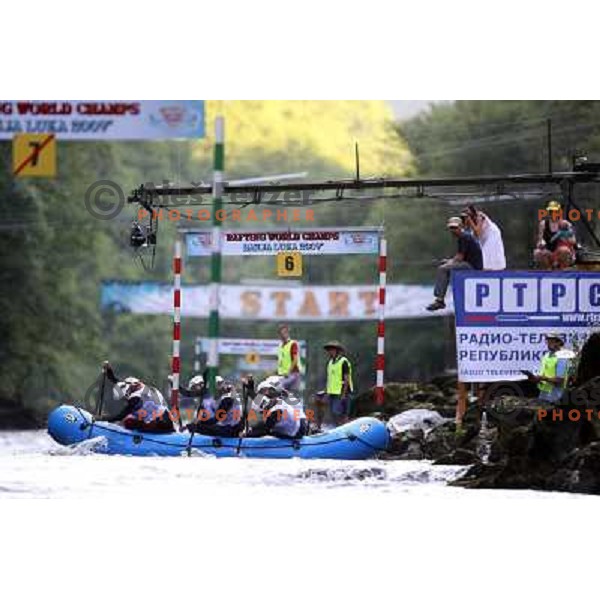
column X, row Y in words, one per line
column 442, row 279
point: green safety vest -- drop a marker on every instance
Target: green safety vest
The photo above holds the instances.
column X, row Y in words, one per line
column 548, row 369
column 334, row 375
column 549, row 364
column 284, row 358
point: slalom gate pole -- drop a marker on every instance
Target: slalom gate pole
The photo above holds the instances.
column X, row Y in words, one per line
column 380, row 361
column 215, row 270
column 197, row 352
column 175, row 360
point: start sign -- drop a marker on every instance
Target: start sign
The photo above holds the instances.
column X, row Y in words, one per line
column 34, row 155
column 289, row 264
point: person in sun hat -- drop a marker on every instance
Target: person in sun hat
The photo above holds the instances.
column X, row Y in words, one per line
column 339, row 385
column 552, row 378
column 468, row 256
column 551, row 251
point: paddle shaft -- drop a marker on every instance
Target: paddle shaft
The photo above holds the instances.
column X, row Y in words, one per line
column 100, row 402
column 244, row 414
column 200, row 406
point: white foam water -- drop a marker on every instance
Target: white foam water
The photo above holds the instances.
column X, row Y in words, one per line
column 32, row 465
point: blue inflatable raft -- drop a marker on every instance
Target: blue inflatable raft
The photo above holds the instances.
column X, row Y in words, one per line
column 357, row 440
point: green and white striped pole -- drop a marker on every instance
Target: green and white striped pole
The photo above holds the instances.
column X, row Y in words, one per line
column 215, row 264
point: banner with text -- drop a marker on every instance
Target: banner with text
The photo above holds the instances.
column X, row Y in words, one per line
column 244, row 346
column 502, row 318
column 273, row 303
column 306, row 241
column 103, row 119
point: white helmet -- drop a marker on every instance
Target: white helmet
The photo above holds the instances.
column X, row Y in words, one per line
column 119, row 390
column 196, row 381
column 270, row 386
column 128, row 385
column 219, row 380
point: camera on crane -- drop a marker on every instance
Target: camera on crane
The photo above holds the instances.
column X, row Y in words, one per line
column 141, row 236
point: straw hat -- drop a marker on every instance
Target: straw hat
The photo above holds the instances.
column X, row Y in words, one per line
column 333, row 344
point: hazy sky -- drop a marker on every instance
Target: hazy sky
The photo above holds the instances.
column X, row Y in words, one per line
column 404, row 109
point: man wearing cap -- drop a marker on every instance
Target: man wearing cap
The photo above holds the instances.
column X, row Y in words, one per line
column 549, row 253
column 288, row 360
column 468, row 256
column 553, row 369
column 339, row 382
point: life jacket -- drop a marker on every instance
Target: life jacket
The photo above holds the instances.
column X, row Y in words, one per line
column 549, row 367
column 335, row 379
column 148, row 406
column 284, row 358
column 290, row 420
column 208, row 409
column 233, row 416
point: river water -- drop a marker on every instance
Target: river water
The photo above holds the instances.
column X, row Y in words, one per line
column 32, row 465
column 361, row 527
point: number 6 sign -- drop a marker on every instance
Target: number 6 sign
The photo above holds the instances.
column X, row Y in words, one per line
column 289, row 264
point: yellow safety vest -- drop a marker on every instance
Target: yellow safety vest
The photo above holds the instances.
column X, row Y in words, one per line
column 548, row 369
column 334, row 375
column 284, row 358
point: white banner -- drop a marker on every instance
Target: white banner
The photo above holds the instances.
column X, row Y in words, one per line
column 263, row 365
column 103, row 119
column 243, row 346
column 269, row 242
column 274, row 303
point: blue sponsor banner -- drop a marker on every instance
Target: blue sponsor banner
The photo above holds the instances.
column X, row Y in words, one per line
column 502, row 318
column 103, row 119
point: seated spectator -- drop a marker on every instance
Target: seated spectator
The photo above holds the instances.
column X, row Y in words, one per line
column 564, row 237
column 468, row 257
column 489, row 236
column 554, row 251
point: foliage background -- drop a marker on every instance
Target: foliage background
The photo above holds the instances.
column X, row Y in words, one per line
column 54, row 255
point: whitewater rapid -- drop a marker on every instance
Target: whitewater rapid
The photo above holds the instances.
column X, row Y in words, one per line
column 32, row 465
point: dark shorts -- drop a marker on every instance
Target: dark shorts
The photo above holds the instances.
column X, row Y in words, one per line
column 213, row 429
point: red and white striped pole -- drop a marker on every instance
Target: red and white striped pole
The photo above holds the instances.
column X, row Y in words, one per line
column 176, row 362
column 380, row 361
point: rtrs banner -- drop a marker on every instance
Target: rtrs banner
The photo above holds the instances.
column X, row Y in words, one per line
column 502, row 318
column 306, row 241
column 103, row 119
column 272, row 303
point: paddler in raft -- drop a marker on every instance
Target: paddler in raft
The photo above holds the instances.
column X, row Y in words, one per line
column 221, row 417
column 280, row 418
column 144, row 408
